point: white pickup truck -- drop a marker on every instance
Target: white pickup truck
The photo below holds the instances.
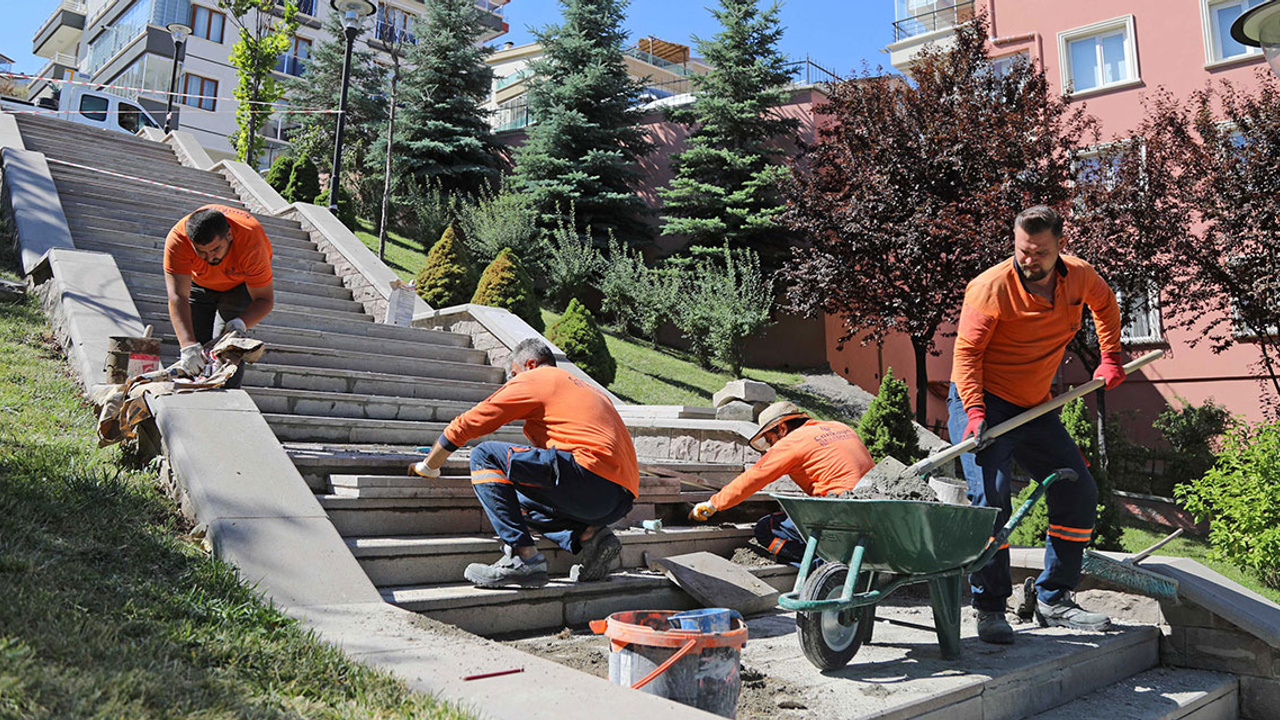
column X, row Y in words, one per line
column 89, row 107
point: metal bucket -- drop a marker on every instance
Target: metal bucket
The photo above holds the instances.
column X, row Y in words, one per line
column 131, row 356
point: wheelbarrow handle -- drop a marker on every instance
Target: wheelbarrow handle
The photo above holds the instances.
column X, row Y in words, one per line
column 933, row 462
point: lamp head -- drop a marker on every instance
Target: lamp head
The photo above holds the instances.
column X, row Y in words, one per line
column 179, row 31
column 352, row 11
column 1260, row 27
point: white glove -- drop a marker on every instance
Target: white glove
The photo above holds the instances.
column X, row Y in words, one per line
column 192, row 360
column 702, row 511
column 236, row 325
column 421, row 470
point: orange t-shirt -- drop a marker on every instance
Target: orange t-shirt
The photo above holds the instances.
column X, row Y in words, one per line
column 559, row 411
column 822, row 457
column 1010, row 341
column 248, row 260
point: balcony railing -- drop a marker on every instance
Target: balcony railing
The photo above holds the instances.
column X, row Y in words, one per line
column 656, row 61
column 291, row 65
column 490, row 7
column 71, row 5
column 390, row 34
column 944, row 15
column 513, row 78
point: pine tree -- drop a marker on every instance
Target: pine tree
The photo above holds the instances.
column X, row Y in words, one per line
column 725, row 184
column 886, row 427
column 505, row 284
column 320, row 86
column 304, row 181
column 443, row 134
column 279, row 173
column 578, row 335
column 585, row 142
column 448, row 278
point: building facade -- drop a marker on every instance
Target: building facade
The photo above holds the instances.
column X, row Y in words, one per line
column 1109, row 56
column 123, row 46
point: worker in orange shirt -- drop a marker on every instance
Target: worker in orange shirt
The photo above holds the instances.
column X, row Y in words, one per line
column 822, row 457
column 1014, row 327
column 217, row 271
column 578, row 475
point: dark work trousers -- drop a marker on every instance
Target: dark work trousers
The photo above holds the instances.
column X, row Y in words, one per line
column 547, row 490
column 1041, row 447
column 210, row 312
column 781, row 537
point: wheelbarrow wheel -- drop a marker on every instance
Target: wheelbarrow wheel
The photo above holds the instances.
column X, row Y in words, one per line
column 830, row 639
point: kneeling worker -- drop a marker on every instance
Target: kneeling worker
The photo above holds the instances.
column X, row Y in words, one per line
column 579, row 475
column 822, row 457
column 217, row 271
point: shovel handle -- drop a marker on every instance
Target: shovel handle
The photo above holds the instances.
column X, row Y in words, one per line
column 933, row 462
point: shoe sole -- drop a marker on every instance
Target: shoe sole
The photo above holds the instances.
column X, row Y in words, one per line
column 529, row 581
column 597, row 566
column 1044, row 622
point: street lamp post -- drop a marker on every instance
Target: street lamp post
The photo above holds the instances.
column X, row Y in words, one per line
column 180, row 32
column 352, row 12
column 1260, row 27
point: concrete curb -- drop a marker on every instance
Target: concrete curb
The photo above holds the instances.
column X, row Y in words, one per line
column 31, row 197
column 253, row 190
column 10, row 136
column 189, row 150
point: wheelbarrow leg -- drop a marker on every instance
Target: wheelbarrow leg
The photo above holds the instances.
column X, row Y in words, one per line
column 945, row 595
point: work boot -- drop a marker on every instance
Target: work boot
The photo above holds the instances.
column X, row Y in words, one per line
column 597, row 555
column 510, row 570
column 994, row 628
column 1066, row 613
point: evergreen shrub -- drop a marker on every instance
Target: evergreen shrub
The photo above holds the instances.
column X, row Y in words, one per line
column 279, row 173
column 304, row 181
column 505, row 284
column 573, row 263
column 887, row 427
column 578, row 335
column 448, row 278
column 493, row 220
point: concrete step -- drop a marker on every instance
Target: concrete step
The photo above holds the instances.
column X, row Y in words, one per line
column 142, row 218
column 175, row 205
column 374, row 407
column 306, row 289
column 304, row 428
column 145, row 242
column 433, row 559
column 290, row 238
column 153, row 285
column 106, row 229
column 94, row 137
column 399, row 485
column 374, row 331
column 88, row 179
column 149, row 257
column 318, row 462
column 155, row 305
column 56, row 142
column 360, row 382
column 307, row 357
column 559, row 604
column 430, row 350
column 1158, row 694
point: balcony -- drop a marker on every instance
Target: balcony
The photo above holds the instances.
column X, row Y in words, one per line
column 60, row 67
column 935, row 24
column 291, row 65
column 391, row 34
column 60, row 33
column 654, row 60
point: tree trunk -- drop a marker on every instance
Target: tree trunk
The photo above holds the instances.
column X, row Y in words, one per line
column 922, row 378
column 386, row 173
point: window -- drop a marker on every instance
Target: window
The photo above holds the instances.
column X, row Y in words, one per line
column 207, row 24
column 199, row 92
column 294, row 61
column 1099, row 56
column 93, row 107
column 1003, row 64
column 394, row 25
column 1141, row 318
column 132, row 119
column 1217, row 16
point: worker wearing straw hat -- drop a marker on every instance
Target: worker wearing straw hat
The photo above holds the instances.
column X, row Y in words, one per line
column 821, row 457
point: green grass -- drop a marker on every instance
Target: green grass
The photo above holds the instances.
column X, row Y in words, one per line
column 404, row 255
column 1140, row 536
column 107, row 610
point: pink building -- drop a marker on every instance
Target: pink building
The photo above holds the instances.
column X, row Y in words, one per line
column 1112, row 54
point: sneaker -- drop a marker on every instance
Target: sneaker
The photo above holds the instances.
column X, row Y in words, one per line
column 597, row 556
column 994, row 628
column 510, row 570
column 1066, row 613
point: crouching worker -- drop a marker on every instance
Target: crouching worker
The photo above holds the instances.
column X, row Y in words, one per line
column 823, row 458
column 578, row 475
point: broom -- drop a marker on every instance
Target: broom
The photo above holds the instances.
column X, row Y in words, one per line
column 1126, row 573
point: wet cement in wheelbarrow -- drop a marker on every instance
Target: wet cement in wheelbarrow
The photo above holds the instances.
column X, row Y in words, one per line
column 901, row 666
column 888, row 480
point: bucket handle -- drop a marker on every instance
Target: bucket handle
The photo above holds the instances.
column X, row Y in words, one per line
column 685, row 650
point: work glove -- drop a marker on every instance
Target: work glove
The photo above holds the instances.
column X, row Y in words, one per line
column 702, row 511
column 1110, row 371
column 977, row 425
column 236, row 325
column 421, row 470
column 192, row 360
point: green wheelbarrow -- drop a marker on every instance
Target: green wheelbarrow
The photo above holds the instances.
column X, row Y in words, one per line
column 901, row 542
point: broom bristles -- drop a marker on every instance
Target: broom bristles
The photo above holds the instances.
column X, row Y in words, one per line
column 1130, row 576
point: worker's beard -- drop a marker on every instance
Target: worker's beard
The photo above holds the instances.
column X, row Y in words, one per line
column 217, row 262
column 1034, row 274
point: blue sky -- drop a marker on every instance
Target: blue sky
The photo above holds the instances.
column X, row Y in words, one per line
column 838, row 34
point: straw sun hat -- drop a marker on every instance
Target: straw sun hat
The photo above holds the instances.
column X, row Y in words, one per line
column 773, row 416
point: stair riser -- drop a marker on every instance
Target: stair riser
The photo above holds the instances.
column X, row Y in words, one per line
column 447, row 568
column 426, row 369
column 175, row 204
column 153, row 306
column 130, row 218
column 136, row 157
column 154, row 287
column 98, row 181
column 160, row 228
column 357, row 432
column 104, row 230
column 393, row 409
column 65, row 133
column 126, row 241
column 143, row 257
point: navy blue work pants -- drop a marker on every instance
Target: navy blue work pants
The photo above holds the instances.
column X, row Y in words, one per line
column 523, row 488
column 781, row 537
column 1041, row 447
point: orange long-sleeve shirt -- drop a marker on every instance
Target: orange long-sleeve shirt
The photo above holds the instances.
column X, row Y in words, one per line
column 1010, row 341
column 822, row 457
column 559, row 411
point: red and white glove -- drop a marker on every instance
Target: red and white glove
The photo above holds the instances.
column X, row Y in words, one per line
column 1110, row 371
column 977, row 424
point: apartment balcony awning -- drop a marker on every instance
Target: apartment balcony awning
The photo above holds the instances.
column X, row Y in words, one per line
column 61, row 31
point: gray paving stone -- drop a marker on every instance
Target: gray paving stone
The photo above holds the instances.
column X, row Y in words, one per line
column 38, row 215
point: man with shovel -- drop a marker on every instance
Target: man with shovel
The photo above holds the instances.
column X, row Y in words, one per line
column 578, row 474
column 822, row 457
column 1014, row 327
column 217, row 271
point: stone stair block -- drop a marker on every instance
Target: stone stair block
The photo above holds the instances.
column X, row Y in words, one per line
column 129, row 217
column 365, row 383
column 1157, row 694
column 652, row 489
column 157, row 305
column 108, row 231
column 95, row 184
column 376, row 407
column 374, row 331
column 280, row 254
column 350, row 430
column 140, row 257
column 155, row 279
column 153, row 286
column 297, row 356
